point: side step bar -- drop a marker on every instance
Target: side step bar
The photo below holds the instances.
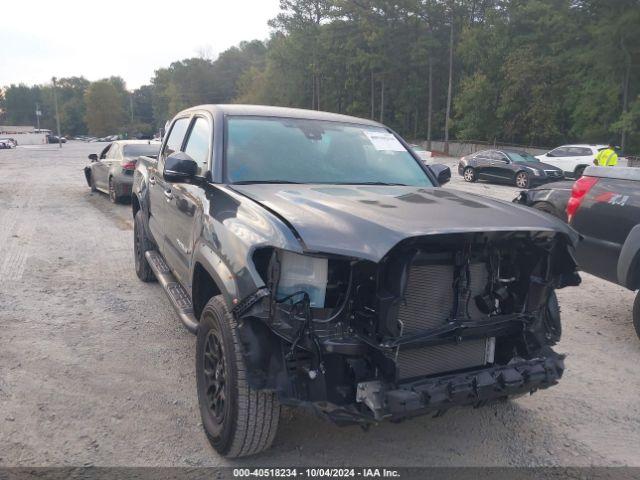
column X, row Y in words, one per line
column 177, row 294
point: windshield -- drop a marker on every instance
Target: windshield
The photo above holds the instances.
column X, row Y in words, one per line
column 142, row 149
column 286, row 150
column 522, row 157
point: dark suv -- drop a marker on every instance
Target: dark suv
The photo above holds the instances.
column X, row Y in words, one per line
column 321, row 265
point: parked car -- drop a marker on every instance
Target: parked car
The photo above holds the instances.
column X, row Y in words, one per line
column 7, row 143
column 507, row 166
column 321, row 266
column 603, row 205
column 572, row 159
column 551, row 198
column 423, row 153
column 111, row 171
column 56, row 139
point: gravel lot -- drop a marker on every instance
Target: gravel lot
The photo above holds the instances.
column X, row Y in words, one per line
column 95, row 368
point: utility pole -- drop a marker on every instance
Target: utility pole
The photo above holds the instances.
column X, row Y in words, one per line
column 131, row 105
column 55, row 102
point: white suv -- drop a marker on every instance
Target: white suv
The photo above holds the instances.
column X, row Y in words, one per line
column 572, row 159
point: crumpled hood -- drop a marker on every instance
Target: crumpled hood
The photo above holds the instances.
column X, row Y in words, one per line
column 367, row 221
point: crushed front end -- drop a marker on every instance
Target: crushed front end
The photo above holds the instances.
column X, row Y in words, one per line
column 442, row 320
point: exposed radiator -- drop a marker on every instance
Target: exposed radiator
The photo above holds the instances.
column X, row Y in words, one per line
column 429, row 303
column 443, row 358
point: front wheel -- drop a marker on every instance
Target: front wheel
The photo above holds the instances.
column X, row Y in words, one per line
column 238, row 420
column 92, row 183
column 469, row 175
column 636, row 314
column 578, row 172
column 522, row 180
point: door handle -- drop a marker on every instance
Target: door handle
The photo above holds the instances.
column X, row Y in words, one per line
column 168, row 195
column 152, row 180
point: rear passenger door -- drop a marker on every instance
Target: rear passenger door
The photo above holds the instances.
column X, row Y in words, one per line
column 482, row 162
column 581, row 156
column 160, row 194
column 500, row 166
column 185, row 209
column 558, row 158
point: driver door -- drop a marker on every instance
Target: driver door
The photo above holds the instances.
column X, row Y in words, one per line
column 185, row 208
column 101, row 167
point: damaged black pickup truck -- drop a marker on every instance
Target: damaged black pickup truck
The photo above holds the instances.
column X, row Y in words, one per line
column 321, row 265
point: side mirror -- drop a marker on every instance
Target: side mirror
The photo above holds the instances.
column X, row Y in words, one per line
column 548, row 154
column 179, row 167
column 442, row 173
column 93, row 157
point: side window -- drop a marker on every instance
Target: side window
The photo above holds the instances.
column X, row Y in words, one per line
column 198, row 143
column 559, row 152
column 584, row 152
column 498, row 156
column 176, row 136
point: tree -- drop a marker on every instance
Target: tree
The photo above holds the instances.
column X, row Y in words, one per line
column 104, row 105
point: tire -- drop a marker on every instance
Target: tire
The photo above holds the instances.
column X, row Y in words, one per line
column 578, row 172
column 522, row 180
column 636, row 314
column 92, row 183
column 238, row 420
column 552, row 323
column 469, row 175
column 547, row 208
column 141, row 244
column 113, row 196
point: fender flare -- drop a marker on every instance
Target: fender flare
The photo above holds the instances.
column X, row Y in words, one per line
column 223, row 277
column 629, row 260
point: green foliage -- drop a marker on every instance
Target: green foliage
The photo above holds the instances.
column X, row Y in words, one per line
column 525, row 71
column 100, row 120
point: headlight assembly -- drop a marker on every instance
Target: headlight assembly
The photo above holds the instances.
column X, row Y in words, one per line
column 303, row 273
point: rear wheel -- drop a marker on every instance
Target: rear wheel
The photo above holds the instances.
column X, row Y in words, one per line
column 113, row 196
column 522, row 180
column 636, row 314
column 552, row 324
column 469, row 174
column 141, row 244
column 238, row 420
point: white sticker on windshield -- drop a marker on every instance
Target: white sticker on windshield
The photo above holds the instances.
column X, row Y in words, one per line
column 384, row 141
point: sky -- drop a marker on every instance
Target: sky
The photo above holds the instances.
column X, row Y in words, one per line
column 97, row 39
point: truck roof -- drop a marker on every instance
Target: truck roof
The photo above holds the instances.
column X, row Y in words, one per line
column 268, row 111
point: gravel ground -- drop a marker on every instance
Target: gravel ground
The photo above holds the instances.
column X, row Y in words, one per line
column 95, row 368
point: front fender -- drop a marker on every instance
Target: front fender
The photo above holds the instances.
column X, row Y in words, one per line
column 223, row 277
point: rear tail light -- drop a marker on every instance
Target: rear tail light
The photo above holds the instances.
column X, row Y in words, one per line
column 129, row 165
column 580, row 189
